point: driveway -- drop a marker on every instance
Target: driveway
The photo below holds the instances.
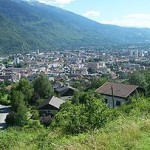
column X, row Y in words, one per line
column 4, row 110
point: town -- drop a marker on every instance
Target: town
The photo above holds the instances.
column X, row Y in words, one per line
column 71, row 65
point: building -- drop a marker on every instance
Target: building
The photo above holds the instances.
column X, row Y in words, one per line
column 93, row 65
column 16, row 61
column 65, row 91
column 117, row 94
column 50, row 106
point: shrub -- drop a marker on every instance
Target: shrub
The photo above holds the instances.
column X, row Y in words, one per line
column 79, row 118
column 35, row 114
column 46, row 120
column 34, row 124
column 10, row 119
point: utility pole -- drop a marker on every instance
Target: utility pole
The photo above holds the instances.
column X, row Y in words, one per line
column 112, row 91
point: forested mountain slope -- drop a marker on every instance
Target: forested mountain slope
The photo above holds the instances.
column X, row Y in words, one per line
column 26, row 26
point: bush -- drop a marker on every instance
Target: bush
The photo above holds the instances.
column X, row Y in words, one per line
column 10, row 120
column 34, row 124
column 35, row 114
column 79, row 118
column 46, row 120
column 38, row 102
column 4, row 99
column 5, row 102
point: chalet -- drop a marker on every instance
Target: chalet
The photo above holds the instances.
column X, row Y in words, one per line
column 116, row 94
column 65, row 91
column 50, row 106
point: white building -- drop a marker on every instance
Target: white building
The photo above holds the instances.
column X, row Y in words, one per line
column 117, row 94
column 16, row 61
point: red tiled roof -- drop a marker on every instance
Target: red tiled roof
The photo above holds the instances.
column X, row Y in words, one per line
column 118, row 90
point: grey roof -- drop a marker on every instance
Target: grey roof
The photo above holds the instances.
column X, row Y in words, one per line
column 57, row 85
column 64, row 89
column 66, row 97
column 118, row 90
column 54, row 101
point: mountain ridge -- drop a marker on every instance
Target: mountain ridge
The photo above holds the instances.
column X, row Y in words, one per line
column 30, row 25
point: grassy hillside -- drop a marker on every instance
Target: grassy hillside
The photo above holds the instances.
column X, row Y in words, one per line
column 128, row 130
column 26, row 26
column 124, row 133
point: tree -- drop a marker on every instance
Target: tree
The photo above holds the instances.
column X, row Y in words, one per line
column 16, row 98
column 147, row 77
column 71, row 118
column 26, row 88
column 82, row 97
column 19, row 108
column 97, row 113
column 91, row 70
column 42, row 86
column 20, row 116
column 79, row 97
column 97, row 82
column 78, row 118
column 138, row 78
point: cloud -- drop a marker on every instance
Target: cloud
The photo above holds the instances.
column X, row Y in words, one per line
column 59, row 2
column 132, row 20
column 91, row 14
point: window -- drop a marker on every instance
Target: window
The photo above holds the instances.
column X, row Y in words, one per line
column 118, row 103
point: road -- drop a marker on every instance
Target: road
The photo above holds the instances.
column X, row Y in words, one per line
column 4, row 110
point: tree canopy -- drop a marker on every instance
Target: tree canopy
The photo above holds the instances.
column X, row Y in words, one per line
column 26, row 88
column 42, row 86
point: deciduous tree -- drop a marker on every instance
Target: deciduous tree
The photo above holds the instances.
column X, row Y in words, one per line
column 43, row 86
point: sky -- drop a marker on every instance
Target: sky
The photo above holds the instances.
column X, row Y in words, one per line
column 131, row 13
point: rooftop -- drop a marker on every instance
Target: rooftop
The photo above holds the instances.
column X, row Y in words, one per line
column 54, row 101
column 116, row 89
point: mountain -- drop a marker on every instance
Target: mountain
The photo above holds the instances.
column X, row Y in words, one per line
column 28, row 25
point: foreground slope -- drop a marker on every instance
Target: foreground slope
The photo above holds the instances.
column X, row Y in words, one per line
column 124, row 133
column 26, row 26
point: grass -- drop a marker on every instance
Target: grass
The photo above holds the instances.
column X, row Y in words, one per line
column 123, row 134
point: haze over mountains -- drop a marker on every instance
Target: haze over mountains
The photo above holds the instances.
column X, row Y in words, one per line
column 32, row 25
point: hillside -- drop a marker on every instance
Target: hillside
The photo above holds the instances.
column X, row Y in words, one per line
column 26, row 26
column 124, row 133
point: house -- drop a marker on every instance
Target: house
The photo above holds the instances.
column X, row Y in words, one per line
column 116, row 94
column 57, row 85
column 65, row 91
column 50, row 106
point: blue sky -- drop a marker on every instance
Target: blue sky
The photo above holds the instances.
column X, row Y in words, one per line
column 119, row 12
